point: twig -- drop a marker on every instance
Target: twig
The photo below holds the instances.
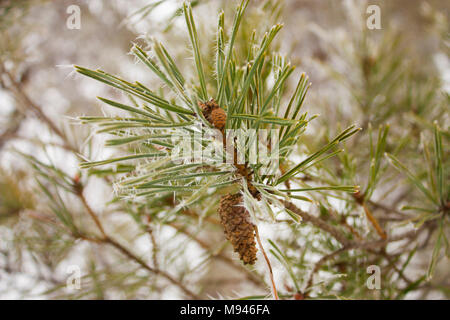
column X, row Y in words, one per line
column 17, row 89
column 318, row 223
column 91, row 213
column 320, row 263
column 109, row 240
column 154, row 246
column 12, row 129
column 386, row 208
column 384, row 242
column 220, row 256
column 343, row 221
column 275, row 293
column 374, row 221
column 360, row 200
column 130, row 255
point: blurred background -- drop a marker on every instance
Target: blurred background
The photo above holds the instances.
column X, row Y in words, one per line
column 41, row 98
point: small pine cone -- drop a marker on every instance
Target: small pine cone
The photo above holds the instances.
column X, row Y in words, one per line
column 214, row 114
column 219, row 118
column 239, row 230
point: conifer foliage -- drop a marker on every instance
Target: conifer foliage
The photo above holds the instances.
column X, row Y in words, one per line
column 364, row 186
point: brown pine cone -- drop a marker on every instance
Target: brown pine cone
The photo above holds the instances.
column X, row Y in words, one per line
column 219, row 118
column 214, row 114
column 239, row 229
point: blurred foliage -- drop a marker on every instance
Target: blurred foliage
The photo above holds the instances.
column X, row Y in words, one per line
column 15, row 196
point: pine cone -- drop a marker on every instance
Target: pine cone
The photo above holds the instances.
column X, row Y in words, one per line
column 214, row 114
column 239, row 230
column 219, row 118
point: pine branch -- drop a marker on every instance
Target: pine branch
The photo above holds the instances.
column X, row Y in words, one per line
column 107, row 239
column 306, row 217
column 19, row 92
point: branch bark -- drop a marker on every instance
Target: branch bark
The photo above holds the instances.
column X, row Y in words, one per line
column 336, row 233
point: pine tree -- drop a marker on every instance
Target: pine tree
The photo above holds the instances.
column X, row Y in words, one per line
column 348, row 192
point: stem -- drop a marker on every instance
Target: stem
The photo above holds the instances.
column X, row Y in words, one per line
column 256, row 281
column 154, row 246
column 17, row 89
column 109, row 240
column 130, row 255
column 320, row 263
column 274, row 288
column 92, row 214
column 336, row 233
column 374, row 222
